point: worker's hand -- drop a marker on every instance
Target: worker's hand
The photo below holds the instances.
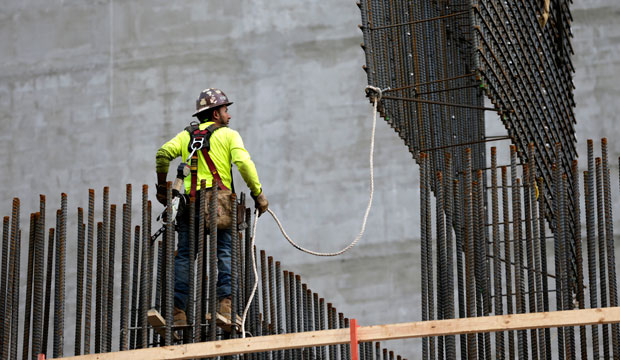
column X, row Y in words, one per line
column 161, row 194
column 261, row 203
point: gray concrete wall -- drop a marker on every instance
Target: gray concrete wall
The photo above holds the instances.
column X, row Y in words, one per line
column 89, row 91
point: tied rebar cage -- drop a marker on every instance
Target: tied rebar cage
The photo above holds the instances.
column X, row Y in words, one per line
column 437, row 60
column 509, row 258
column 142, row 316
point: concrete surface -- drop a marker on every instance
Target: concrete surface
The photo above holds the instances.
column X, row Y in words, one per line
column 90, row 90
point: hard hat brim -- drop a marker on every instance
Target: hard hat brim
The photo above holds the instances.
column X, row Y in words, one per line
column 210, row 107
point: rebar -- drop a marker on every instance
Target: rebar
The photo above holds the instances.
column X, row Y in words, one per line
column 168, row 294
column 10, row 343
column 192, row 319
column 125, row 268
column 110, row 282
column 133, row 337
column 48, row 290
column 59, row 297
column 609, row 236
column 105, row 238
column 99, row 289
column 233, row 261
column 29, row 281
column 213, row 259
column 142, row 341
column 80, row 284
column 601, row 251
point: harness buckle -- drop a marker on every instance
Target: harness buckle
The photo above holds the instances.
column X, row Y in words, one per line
column 197, row 144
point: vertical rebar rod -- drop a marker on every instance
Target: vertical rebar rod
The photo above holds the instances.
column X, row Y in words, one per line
column 579, row 255
column 299, row 308
column 264, row 292
column 317, row 322
column 234, row 275
column 111, row 273
column 77, row 350
column 39, row 293
column 213, row 260
column 272, row 303
column 529, row 246
column 59, row 298
column 10, row 342
column 99, row 288
column 146, row 240
column 280, row 328
column 125, row 269
column 322, row 326
column 601, row 250
column 345, row 324
column 497, row 279
column 287, row 309
column 423, row 251
column 449, row 286
column 507, row 258
column 103, row 338
column 304, row 315
column 28, row 300
column 472, row 346
column 343, row 347
column 192, row 319
column 48, row 290
column 160, row 286
column 460, row 252
column 559, row 252
column 609, row 236
column 518, row 251
column 133, row 336
column 200, row 266
column 589, row 193
column 169, row 261
column 331, row 325
column 4, row 294
column 543, row 263
column 441, row 258
column 567, row 301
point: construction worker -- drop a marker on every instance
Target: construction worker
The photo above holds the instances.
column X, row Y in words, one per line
column 226, row 146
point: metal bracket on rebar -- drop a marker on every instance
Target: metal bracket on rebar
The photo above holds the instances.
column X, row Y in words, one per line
column 354, row 343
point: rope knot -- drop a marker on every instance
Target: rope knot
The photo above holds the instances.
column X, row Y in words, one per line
column 374, row 93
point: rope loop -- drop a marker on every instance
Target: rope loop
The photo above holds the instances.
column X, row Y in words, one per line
column 375, row 95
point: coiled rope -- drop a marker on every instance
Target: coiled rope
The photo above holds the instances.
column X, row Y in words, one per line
column 375, row 94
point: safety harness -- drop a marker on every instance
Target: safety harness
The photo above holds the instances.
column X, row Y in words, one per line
column 200, row 140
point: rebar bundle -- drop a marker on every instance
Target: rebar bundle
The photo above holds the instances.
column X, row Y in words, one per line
column 284, row 304
column 504, row 268
column 437, row 60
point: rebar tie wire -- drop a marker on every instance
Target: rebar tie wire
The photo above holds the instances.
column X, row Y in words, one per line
column 375, row 94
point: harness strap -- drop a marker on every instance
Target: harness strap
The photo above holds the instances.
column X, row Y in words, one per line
column 195, row 132
column 213, row 169
column 193, row 169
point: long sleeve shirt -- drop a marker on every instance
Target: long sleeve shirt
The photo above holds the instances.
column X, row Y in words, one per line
column 226, row 148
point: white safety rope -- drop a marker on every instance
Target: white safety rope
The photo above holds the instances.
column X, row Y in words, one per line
column 298, row 247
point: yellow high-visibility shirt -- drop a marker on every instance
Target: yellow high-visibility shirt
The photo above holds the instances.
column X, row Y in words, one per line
column 226, row 148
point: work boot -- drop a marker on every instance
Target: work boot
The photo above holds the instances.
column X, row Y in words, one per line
column 179, row 317
column 225, row 308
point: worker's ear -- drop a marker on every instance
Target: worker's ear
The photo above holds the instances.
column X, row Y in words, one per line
column 215, row 115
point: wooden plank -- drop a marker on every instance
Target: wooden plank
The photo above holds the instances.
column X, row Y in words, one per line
column 159, row 324
column 369, row 333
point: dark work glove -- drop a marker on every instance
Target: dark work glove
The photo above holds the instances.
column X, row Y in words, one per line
column 161, row 194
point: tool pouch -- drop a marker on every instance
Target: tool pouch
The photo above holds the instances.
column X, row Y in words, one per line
column 224, row 209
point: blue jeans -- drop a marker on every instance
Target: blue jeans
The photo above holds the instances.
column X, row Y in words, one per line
column 182, row 262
